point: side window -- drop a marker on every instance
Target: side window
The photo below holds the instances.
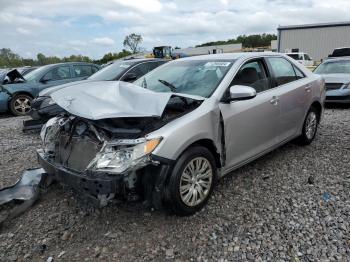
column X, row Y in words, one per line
column 307, row 57
column 153, row 65
column 253, row 74
column 82, row 70
column 94, row 69
column 283, row 70
column 298, row 73
column 58, row 73
column 139, row 70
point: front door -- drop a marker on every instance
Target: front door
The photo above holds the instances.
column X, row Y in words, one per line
column 251, row 125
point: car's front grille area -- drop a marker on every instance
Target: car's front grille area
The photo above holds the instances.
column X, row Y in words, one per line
column 76, row 152
column 333, row 86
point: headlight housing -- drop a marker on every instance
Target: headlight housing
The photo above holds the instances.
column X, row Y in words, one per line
column 121, row 156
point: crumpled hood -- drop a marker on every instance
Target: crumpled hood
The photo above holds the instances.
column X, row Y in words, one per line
column 337, row 78
column 10, row 76
column 112, row 99
column 50, row 90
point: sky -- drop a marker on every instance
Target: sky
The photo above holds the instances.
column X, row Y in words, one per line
column 93, row 28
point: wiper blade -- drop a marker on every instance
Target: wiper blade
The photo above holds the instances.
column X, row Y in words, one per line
column 171, row 86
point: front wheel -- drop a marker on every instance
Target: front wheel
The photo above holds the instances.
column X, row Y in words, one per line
column 192, row 181
column 20, row 104
column 309, row 127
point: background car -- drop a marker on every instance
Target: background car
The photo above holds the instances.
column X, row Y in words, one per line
column 302, row 58
column 336, row 72
column 43, row 108
column 17, row 97
column 171, row 134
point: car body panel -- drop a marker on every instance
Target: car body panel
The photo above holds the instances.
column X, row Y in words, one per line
column 236, row 132
column 33, row 86
column 4, row 100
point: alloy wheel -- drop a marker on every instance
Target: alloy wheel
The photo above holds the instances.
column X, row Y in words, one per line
column 311, row 125
column 22, row 105
column 196, row 181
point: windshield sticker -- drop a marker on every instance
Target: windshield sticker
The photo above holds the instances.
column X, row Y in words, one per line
column 124, row 66
column 216, row 64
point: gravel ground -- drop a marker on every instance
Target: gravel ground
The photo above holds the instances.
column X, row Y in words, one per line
column 267, row 210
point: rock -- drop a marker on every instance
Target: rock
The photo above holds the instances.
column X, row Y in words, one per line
column 61, row 254
column 65, row 236
column 49, row 259
column 169, row 253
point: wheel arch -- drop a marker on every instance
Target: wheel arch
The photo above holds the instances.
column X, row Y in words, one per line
column 317, row 105
column 209, row 144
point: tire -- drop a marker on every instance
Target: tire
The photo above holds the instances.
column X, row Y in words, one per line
column 181, row 177
column 20, row 104
column 309, row 127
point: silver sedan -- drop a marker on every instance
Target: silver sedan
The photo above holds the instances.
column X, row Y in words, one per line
column 173, row 133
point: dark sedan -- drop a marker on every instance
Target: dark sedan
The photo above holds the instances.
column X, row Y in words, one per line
column 43, row 107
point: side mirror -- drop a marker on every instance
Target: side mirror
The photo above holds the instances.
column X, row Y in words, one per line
column 239, row 92
column 129, row 77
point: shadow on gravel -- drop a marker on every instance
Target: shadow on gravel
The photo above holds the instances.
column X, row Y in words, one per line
column 337, row 106
column 5, row 115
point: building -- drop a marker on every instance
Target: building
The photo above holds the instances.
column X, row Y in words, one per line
column 318, row 40
column 205, row 50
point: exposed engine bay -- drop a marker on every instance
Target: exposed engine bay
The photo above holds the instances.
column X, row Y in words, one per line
column 112, row 150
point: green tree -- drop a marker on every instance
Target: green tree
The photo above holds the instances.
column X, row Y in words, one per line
column 132, row 42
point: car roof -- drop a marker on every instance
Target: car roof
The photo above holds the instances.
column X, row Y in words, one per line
column 337, row 59
column 232, row 56
column 71, row 63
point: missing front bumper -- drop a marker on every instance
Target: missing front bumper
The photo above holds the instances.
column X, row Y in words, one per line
column 91, row 186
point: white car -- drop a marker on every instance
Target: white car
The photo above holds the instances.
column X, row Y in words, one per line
column 302, row 58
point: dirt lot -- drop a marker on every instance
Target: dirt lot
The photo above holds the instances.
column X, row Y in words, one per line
column 267, row 210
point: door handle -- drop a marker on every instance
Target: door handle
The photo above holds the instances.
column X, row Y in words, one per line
column 308, row 88
column 274, row 100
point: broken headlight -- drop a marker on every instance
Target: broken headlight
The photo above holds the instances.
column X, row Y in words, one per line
column 118, row 158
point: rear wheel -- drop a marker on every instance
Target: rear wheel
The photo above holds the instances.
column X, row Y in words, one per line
column 192, row 181
column 20, row 104
column 309, row 127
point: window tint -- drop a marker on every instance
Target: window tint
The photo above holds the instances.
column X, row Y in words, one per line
column 253, row 74
column 94, row 69
column 283, row 70
column 307, row 57
column 82, row 70
column 59, row 73
column 298, row 72
column 295, row 56
column 140, row 70
column 153, row 65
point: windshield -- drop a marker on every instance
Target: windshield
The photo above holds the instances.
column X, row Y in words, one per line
column 334, row 67
column 111, row 72
column 35, row 74
column 192, row 77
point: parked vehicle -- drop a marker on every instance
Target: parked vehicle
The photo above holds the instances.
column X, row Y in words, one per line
column 302, row 58
column 43, row 108
column 336, row 73
column 340, row 52
column 170, row 135
column 17, row 97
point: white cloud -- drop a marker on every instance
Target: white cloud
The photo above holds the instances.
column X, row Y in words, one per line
column 22, row 31
column 106, row 41
column 64, row 26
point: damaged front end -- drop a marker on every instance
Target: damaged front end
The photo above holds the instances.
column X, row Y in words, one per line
column 109, row 158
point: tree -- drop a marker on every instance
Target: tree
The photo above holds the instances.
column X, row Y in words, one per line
column 246, row 40
column 132, row 42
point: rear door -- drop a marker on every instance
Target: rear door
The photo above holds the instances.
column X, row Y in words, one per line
column 293, row 92
column 251, row 125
